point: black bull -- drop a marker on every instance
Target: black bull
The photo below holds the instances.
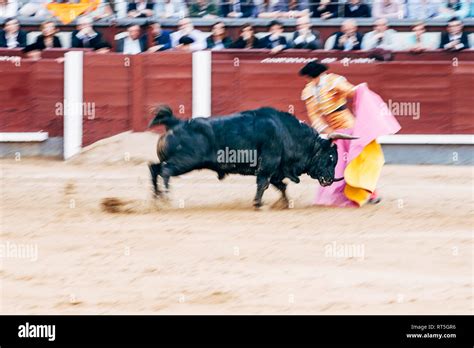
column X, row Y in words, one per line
column 270, row 144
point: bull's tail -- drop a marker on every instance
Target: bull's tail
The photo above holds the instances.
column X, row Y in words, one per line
column 164, row 116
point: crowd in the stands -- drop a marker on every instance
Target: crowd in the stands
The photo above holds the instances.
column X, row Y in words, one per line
column 151, row 37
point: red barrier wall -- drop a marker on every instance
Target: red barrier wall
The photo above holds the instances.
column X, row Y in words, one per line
column 29, row 93
column 441, row 89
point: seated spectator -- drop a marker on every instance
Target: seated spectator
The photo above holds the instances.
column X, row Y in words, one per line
column 454, row 39
column 103, row 47
column 381, row 37
column 237, row 8
column 103, row 10
column 186, row 28
column 133, row 43
column 247, row 38
column 418, row 41
column 304, row 36
column 356, row 9
column 275, row 41
column 271, row 8
column 325, row 9
column 161, row 38
column 85, row 36
column 185, row 44
column 171, row 9
column 348, row 39
column 8, row 8
column 11, row 36
column 387, row 9
column 47, row 39
column 297, row 9
column 35, row 8
column 218, row 40
column 203, row 9
column 453, row 8
column 422, row 9
column 140, row 9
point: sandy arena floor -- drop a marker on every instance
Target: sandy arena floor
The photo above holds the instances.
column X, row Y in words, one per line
column 208, row 251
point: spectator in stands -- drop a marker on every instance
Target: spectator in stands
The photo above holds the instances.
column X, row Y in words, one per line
column 185, row 44
column 186, row 28
column 356, row 9
column 103, row 10
column 48, row 38
column 140, row 9
column 133, row 43
column 422, row 9
column 387, row 9
column 218, row 40
column 381, row 37
column 297, row 8
column 275, row 41
column 203, row 9
column 304, row 36
column 325, row 9
column 418, row 41
column 161, row 38
column 271, row 8
column 237, row 8
column 453, row 8
column 11, row 36
column 171, row 9
column 454, row 39
column 247, row 38
column 348, row 39
column 35, row 8
column 85, row 36
column 8, row 8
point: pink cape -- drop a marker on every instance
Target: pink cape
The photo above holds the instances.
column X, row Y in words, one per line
column 372, row 120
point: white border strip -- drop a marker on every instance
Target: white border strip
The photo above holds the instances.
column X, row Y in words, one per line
column 17, row 137
column 73, row 94
column 428, row 139
column 202, row 65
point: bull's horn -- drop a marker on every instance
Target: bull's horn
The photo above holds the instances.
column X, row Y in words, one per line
column 338, row 179
column 335, row 135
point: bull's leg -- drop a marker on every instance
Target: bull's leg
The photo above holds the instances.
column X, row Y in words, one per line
column 168, row 170
column 263, row 182
column 283, row 202
column 155, row 169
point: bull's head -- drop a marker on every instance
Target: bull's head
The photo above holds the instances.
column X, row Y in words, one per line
column 324, row 159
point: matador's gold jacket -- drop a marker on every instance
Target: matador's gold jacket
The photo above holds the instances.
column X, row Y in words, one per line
column 326, row 102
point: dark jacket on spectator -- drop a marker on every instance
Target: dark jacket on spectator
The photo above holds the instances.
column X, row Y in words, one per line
column 241, row 43
column 132, row 6
column 119, row 45
column 79, row 43
column 246, row 7
column 227, row 42
column 195, row 10
column 164, row 39
column 356, row 46
column 331, row 7
column 39, row 44
column 445, row 40
column 361, row 11
column 266, row 42
column 312, row 45
column 21, row 39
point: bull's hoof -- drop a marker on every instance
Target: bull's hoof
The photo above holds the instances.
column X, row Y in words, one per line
column 282, row 203
column 257, row 205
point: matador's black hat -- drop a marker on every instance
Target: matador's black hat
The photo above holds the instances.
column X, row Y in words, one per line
column 313, row 69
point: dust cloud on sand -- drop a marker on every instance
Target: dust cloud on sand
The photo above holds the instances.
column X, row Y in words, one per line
column 103, row 245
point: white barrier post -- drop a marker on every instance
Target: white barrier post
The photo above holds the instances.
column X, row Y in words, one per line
column 202, row 64
column 72, row 106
